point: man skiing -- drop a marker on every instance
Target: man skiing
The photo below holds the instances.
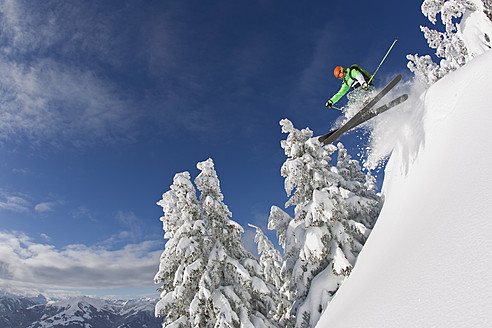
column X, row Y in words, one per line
column 354, row 78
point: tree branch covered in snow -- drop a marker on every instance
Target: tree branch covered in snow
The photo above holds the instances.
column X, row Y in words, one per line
column 459, row 43
column 487, row 8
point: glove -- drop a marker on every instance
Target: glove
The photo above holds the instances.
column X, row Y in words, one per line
column 365, row 87
column 328, row 104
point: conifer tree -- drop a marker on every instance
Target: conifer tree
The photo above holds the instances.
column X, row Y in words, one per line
column 209, row 279
column 358, row 190
column 270, row 263
column 328, row 228
column 270, row 258
column 184, row 257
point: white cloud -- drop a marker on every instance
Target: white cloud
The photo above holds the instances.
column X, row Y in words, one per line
column 131, row 223
column 21, row 171
column 83, row 213
column 130, row 229
column 45, row 207
column 49, row 101
column 24, row 262
column 19, row 202
column 48, row 97
column 67, row 28
column 15, row 202
column 45, row 236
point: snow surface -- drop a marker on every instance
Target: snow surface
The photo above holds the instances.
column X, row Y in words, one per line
column 428, row 261
column 78, row 311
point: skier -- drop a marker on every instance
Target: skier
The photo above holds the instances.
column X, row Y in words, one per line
column 352, row 77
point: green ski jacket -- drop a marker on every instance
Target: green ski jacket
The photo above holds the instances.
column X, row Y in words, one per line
column 349, row 81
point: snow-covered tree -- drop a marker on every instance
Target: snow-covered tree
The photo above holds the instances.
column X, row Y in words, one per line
column 209, row 279
column 333, row 211
column 424, row 68
column 184, row 256
column 363, row 204
column 270, row 258
column 271, row 265
column 459, row 43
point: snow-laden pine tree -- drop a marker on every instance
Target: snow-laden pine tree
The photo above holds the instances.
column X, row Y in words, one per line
column 459, row 42
column 209, row 279
column 358, row 188
column 270, row 258
column 184, row 257
column 271, row 265
column 333, row 212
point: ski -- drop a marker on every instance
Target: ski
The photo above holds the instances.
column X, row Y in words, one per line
column 334, row 135
column 372, row 113
column 330, row 136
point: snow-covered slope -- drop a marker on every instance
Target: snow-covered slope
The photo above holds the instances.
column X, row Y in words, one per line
column 428, row 261
column 10, row 303
column 74, row 312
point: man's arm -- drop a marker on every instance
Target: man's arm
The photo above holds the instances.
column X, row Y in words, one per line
column 343, row 90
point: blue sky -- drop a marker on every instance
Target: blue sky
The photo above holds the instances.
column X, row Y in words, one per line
column 102, row 102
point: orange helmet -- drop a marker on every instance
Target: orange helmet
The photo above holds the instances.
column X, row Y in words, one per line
column 338, row 71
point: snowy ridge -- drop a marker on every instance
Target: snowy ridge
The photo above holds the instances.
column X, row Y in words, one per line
column 80, row 311
column 428, row 260
column 10, row 303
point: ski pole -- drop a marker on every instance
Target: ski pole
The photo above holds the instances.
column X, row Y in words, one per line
column 335, row 108
column 372, row 77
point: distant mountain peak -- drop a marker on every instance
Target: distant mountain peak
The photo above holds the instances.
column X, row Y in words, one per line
column 37, row 312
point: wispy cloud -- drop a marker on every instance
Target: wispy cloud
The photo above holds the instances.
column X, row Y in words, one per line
column 131, row 223
column 52, row 102
column 45, row 207
column 20, row 202
column 20, row 171
column 132, row 230
column 24, row 262
column 72, row 30
column 15, row 202
column 45, row 236
column 50, row 89
column 83, row 213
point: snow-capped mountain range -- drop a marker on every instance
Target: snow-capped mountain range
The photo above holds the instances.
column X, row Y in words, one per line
column 38, row 312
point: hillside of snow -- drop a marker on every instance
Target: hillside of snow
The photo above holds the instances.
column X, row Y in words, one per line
column 428, row 261
column 83, row 311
